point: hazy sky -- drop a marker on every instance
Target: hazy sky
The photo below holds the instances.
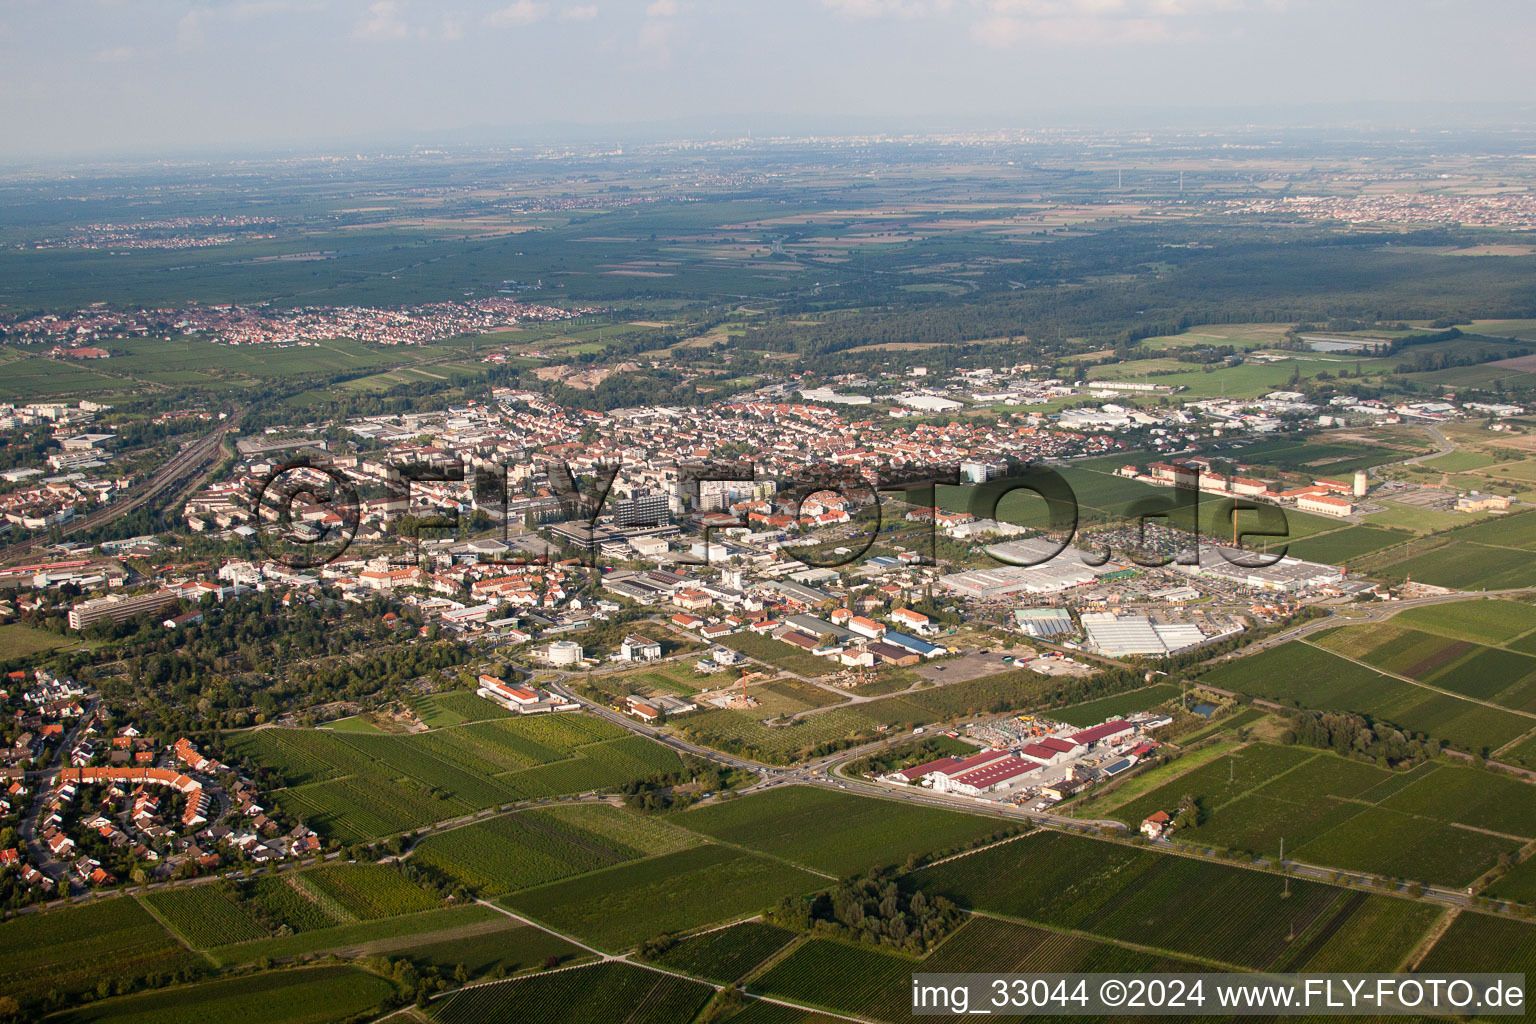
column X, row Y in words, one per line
column 172, row 75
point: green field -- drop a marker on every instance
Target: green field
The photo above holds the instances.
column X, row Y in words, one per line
column 358, row 786
column 1438, row 646
column 1102, row 710
column 70, row 950
column 838, row 833
column 1216, row 781
column 1146, row 781
column 366, row 892
column 205, row 915
column 726, row 954
column 1481, row 942
column 454, row 707
column 1489, row 555
column 361, row 934
column 616, row 908
column 1183, row 905
column 532, row 847
column 1307, row 676
column 1432, row 824
column 744, row 732
column 316, row 995
column 18, row 641
column 499, row 950
column 1519, row 884
column 579, row 996
column 223, row 913
column 778, row 654
column 1521, row 754
column 1341, row 547
column 874, row 984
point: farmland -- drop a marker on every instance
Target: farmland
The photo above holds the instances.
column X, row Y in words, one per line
column 726, row 954
column 228, row 912
column 454, row 707
column 1481, row 942
column 758, row 1011
column 317, row 995
column 1186, row 906
column 1443, row 660
column 1443, row 824
column 577, row 997
column 18, row 641
column 1310, row 677
column 1488, row 622
column 835, row 832
column 1522, row 753
column 1340, row 547
column 358, row 786
column 1096, row 711
column 204, row 915
column 70, row 950
column 354, row 935
column 532, row 847
column 504, row 949
column 366, row 892
column 744, row 732
column 778, row 654
column 616, row 908
column 872, row 983
column 1218, row 781
column 1488, row 555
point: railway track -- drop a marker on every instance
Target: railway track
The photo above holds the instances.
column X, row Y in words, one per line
column 190, row 460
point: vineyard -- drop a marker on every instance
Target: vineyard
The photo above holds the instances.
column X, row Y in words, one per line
column 620, row 993
column 317, row 995
column 1310, row 677
column 533, row 847
column 1102, row 710
column 1519, row 884
column 616, row 908
column 758, row 1012
column 1348, row 814
column 368, row 891
column 597, row 766
column 503, row 950
column 727, row 954
column 1405, row 846
column 229, row 913
column 349, row 936
column 1504, row 677
column 204, row 915
column 871, row 983
column 841, row 977
column 72, row 949
column 280, row 898
column 1186, row 906
column 1481, row 942
column 360, row 786
column 837, row 832
column 1219, row 781
column 454, row 707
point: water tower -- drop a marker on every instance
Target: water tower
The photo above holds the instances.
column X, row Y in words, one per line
column 1360, row 483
